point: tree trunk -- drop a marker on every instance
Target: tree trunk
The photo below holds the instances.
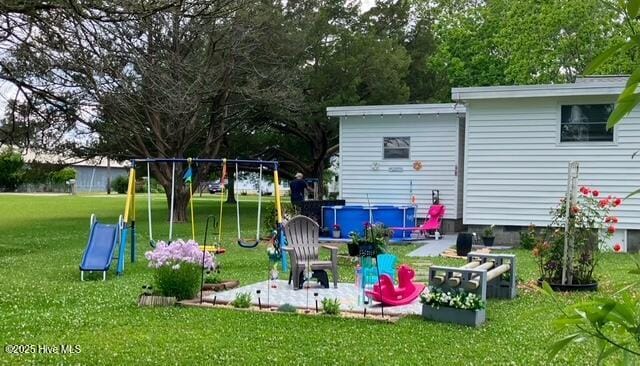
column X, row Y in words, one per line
column 231, row 189
column 318, row 172
column 181, row 203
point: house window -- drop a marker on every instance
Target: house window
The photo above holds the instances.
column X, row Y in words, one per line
column 585, row 122
column 396, row 147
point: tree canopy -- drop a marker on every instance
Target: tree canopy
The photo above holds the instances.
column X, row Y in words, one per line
column 253, row 78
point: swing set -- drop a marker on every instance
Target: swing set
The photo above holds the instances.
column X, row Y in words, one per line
column 129, row 220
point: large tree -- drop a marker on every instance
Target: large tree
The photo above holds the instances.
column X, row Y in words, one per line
column 504, row 42
column 170, row 83
column 341, row 60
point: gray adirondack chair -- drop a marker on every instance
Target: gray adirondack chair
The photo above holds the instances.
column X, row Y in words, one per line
column 303, row 246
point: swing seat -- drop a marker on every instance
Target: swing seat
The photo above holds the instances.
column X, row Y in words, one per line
column 248, row 243
column 213, row 249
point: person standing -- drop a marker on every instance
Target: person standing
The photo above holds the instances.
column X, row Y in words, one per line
column 298, row 187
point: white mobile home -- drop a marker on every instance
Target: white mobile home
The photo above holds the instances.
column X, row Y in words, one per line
column 519, row 140
column 390, row 153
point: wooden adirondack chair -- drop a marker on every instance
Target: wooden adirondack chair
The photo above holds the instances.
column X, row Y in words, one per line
column 303, row 246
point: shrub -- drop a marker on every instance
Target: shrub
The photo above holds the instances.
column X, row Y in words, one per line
column 63, row 175
column 287, row 308
column 37, row 172
column 528, row 237
column 178, row 268
column 270, row 214
column 330, row 306
column 242, row 300
column 11, row 170
column 590, row 225
column 488, row 232
column 120, row 184
column 610, row 322
column 181, row 280
column 213, row 278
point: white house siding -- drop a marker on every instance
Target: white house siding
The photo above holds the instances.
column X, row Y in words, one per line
column 516, row 169
column 434, row 142
column 460, row 182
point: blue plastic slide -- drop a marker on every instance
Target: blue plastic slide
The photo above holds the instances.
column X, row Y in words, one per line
column 100, row 247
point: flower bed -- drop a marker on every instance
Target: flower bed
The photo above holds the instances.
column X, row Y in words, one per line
column 588, row 227
column 178, row 268
column 453, row 306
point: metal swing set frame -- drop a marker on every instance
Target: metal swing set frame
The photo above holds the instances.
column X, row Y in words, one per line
column 129, row 217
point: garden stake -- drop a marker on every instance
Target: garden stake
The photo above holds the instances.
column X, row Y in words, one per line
column 214, row 299
column 204, row 250
column 315, row 294
column 259, row 303
column 380, row 287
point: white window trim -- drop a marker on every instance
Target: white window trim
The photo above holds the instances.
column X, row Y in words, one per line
column 395, row 159
column 580, row 144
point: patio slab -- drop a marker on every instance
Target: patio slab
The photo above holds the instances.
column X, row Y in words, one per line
column 283, row 293
column 434, row 248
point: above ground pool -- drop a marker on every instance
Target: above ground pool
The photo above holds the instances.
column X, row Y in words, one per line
column 353, row 217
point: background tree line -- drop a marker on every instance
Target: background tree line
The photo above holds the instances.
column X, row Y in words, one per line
column 252, row 78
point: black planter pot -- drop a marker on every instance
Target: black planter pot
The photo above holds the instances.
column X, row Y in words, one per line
column 464, row 244
column 587, row 287
column 367, row 250
column 354, row 250
column 488, row 240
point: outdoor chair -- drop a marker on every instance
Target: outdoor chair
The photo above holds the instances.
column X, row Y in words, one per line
column 303, row 246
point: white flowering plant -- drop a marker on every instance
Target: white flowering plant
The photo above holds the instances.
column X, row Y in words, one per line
column 458, row 299
column 178, row 267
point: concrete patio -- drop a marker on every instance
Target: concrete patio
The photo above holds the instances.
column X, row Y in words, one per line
column 276, row 293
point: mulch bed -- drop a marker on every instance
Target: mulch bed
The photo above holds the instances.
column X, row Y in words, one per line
column 451, row 253
column 222, row 286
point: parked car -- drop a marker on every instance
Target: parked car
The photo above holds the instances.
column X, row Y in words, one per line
column 214, row 188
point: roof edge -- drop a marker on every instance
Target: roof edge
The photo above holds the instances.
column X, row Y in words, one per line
column 396, row 109
column 539, row 90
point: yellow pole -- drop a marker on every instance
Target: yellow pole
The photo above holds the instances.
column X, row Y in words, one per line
column 193, row 223
column 131, row 189
column 276, row 182
column 224, row 173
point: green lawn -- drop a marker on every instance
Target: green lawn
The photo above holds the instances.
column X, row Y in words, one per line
column 43, row 302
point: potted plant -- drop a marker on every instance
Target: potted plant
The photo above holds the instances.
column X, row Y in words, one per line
column 586, row 229
column 325, row 232
column 453, row 306
column 375, row 240
column 336, row 231
column 488, row 236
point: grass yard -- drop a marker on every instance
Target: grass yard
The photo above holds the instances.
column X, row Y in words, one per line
column 43, row 302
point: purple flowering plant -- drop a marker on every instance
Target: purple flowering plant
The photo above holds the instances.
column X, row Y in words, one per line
column 178, row 267
column 178, row 252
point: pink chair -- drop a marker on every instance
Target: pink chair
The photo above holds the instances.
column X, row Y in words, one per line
column 434, row 223
column 431, row 225
column 406, row 292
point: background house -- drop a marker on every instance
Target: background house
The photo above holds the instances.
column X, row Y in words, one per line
column 390, row 153
column 520, row 139
column 92, row 175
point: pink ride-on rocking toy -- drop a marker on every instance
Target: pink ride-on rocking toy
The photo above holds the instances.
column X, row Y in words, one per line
column 405, row 293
